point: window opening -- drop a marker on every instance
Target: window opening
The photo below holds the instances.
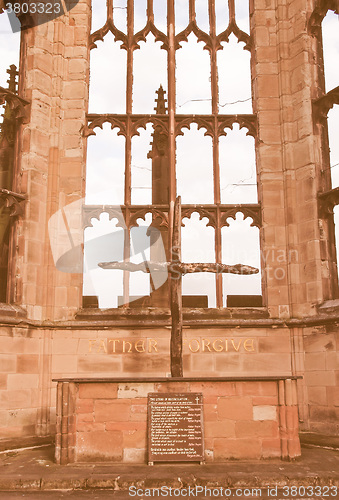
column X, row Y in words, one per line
column 336, row 230
column 108, row 81
column 181, row 16
column 120, row 15
column 242, row 15
column 202, row 15
column 196, row 188
column 237, row 167
column 141, row 167
column 105, row 177
column 140, row 15
column 323, row 24
column 103, row 241
column 160, row 15
column 240, row 242
column 222, row 16
column 150, row 67
column 198, row 242
column 333, row 126
column 193, row 77
column 98, row 17
column 235, row 94
column 330, row 35
column 9, row 52
column 140, row 283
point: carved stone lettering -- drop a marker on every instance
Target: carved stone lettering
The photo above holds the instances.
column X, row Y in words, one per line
column 150, row 346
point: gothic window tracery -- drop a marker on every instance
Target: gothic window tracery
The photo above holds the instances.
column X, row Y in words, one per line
column 323, row 24
column 176, row 146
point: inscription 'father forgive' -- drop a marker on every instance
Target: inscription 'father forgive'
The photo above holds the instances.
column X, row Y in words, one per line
column 147, row 345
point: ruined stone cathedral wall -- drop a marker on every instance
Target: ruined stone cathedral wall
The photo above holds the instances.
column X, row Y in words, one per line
column 49, row 342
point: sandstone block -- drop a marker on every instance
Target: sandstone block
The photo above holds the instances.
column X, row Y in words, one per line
column 219, row 429
column 111, row 411
column 225, row 449
column 28, row 363
column 257, row 429
column 99, row 445
column 135, row 439
column 84, row 406
column 97, row 391
column 264, row 413
column 235, row 408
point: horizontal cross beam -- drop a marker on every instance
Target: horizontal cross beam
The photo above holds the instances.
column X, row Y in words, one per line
column 180, row 268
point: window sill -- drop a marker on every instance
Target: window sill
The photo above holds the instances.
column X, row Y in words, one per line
column 162, row 317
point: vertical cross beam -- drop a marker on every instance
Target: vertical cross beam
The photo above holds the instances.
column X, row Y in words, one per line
column 176, row 294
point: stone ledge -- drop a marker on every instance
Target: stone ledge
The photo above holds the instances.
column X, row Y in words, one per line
column 165, row 314
column 319, row 440
column 140, row 380
column 329, row 307
column 25, row 442
column 11, row 311
column 94, row 319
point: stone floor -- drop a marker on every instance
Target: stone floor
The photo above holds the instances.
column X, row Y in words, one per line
column 34, row 470
column 123, row 495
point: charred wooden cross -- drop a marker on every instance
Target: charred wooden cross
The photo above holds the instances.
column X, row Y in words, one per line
column 175, row 270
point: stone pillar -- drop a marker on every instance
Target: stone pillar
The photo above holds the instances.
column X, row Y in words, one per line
column 54, row 74
column 296, row 264
column 288, row 419
column 266, row 92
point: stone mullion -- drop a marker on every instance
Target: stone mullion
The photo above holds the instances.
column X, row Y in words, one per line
column 216, row 169
column 171, row 98
column 150, row 11
column 128, row 143
column 171, row 113
column 129, row 99
column 218, row 259
column 127, row 256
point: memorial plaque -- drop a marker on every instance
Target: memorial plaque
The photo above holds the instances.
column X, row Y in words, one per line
column 175, row 427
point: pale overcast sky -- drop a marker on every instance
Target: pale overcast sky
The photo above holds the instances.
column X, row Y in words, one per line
column 105, row 174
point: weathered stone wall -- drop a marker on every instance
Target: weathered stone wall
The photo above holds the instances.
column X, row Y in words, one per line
column 32, row 357
column 108, row 421
column 54, row 77
column 321, row 346
column 20, row 382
